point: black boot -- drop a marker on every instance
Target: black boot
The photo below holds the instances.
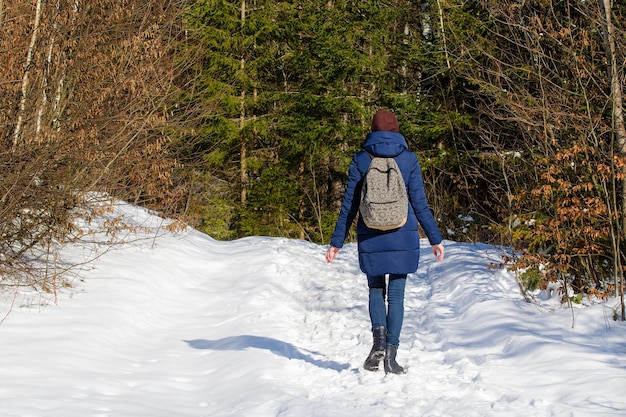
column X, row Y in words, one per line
column 391, row 366
column 378, row 349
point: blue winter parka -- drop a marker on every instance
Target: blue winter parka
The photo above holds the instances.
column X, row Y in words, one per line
column 394, row 251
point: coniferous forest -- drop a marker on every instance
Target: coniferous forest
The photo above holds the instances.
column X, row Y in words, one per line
column 241, row 117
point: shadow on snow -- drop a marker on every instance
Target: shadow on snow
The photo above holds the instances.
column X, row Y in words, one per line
column 275, row 346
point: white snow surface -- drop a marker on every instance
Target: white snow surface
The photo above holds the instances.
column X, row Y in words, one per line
column 179, row 324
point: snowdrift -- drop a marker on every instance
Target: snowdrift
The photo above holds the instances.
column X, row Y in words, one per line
column 179, row 324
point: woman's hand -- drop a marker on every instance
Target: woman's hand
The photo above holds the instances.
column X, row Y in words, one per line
column 331, row 254
column 437, row 251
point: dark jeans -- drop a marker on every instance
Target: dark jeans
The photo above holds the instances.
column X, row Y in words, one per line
column 388, row 315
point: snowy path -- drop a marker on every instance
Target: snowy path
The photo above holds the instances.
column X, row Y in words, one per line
column 188, row 326
column 437, row 383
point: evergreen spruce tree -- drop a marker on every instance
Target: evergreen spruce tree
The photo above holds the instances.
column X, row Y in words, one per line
column 314, row 74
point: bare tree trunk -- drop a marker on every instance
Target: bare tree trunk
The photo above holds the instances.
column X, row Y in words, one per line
column 243, row 165
column 616, row 87
column 49, row 78
column 25, row 78
column 443, row 33
column 620, row 136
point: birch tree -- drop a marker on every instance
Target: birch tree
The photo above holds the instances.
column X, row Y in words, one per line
column 27, row 73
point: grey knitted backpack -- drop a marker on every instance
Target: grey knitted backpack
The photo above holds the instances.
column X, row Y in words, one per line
column 384, row 202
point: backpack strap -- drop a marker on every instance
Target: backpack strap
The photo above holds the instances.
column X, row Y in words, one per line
column 363, row 164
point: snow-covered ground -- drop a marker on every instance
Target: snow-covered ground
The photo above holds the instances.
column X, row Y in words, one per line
column 184, row 325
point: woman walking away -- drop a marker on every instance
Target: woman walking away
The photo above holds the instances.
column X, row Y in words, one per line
column 385, row 254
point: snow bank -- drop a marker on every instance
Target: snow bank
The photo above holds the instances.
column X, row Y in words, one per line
column 179, row 324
